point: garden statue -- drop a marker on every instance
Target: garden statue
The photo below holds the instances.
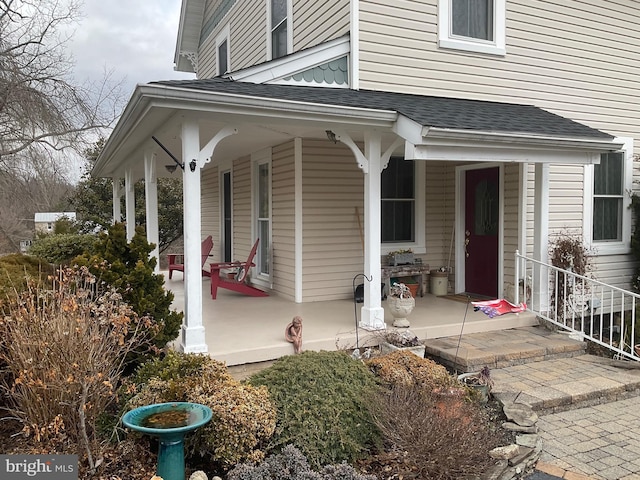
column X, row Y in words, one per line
column 293, row 334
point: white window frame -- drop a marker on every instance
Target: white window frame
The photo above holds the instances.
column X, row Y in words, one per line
column 610, row 247
column 418, row 246
column 223, row 36
column 258, row 158
column 447, row 40
column 270, row 28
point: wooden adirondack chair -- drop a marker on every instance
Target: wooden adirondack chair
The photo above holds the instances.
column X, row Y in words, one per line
column 205, row 250
column 239, row 282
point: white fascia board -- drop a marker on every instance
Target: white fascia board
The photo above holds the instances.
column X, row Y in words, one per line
column 189, row 28
column 409, row 129
column 207, row 101
column 498, row 153
column 275, row 70
column 519, row 139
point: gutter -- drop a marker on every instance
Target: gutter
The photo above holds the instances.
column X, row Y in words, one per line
column 578, row 143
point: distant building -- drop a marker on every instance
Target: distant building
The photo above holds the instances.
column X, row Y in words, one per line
column 44, row 221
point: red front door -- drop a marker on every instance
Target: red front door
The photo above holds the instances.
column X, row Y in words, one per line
column 482, row 209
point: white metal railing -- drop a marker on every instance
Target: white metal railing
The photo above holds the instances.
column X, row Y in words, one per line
column 601, row 313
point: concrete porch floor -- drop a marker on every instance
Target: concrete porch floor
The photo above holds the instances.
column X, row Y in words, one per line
column 243, row 330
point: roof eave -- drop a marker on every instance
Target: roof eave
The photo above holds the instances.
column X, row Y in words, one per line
column 533, row 139
column 147, row 97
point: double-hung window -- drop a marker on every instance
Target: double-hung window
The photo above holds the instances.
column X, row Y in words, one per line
column 398, row 201
column 607, row 214
column 262, row 213
column 223, row 64
column 608, row 196
column 279, row 15
column 473, row 25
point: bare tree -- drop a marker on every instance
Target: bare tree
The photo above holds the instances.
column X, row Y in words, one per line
column 40, row 104
column 34, row 181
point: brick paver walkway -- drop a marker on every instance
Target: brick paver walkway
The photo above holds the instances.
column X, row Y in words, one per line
column 602, row 442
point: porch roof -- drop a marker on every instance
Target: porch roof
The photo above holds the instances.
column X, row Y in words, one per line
column 428, row 111
column 264, row 115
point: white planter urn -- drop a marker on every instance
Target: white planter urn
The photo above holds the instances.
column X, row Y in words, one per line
column 400, row 308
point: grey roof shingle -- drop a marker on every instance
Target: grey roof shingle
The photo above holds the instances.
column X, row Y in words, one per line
column 431, row 111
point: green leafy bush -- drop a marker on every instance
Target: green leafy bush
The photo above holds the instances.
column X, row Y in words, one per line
column 61, row 249
column 128, row 267
column 291, row 464
column 243, row 415
column 320, row 399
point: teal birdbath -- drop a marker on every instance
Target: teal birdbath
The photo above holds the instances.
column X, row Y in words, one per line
column 169, row 422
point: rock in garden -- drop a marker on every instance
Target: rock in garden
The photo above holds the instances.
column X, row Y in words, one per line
column 527, row 440
column 505, row 453
column 514, row 427
column 521, row 414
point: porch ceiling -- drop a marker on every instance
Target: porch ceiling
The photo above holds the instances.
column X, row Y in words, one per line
column 266, row 115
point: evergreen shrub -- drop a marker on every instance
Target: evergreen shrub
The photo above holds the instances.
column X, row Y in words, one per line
column 61, row 249
column 129, row 268
column 321, row 403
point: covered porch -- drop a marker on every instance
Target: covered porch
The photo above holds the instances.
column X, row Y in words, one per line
column 241, row 330
column 302, row 165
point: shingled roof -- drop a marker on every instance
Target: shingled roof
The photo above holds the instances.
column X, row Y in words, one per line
column 429, row 111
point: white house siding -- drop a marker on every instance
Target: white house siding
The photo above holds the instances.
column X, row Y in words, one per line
column 247, row 20
column 511, row 222
column 440, row 214
column 210, row 204
column 283, row 220
column 242, row 229
column 332, row 189
column 577, row 59
column 313, row 25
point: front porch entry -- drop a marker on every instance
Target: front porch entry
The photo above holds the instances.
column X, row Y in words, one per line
column 240, row 330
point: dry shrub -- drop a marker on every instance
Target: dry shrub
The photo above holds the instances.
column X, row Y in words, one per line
column 405, row 368
column 243, row 416
column 438, row 437
column 65, row 348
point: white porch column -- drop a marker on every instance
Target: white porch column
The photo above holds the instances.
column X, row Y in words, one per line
column 372, row 313
column 192, row 339
column 151, row 204
column 130, row 203
column 117, row 194
column 541, row 235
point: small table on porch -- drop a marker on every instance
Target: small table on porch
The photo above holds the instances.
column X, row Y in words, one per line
column 419, row 272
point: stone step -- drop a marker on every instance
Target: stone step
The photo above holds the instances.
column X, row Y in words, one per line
column 502, row 349
column 567, row 383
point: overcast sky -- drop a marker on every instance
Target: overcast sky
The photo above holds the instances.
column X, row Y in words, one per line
column 135, row 39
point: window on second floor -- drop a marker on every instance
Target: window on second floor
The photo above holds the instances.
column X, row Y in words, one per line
column 279, row 15
column 223, row 52
column 473, row 25
column 607, row 216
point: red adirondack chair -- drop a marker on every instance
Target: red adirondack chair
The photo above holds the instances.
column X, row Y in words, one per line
column 239, row 282
column 205, row 250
